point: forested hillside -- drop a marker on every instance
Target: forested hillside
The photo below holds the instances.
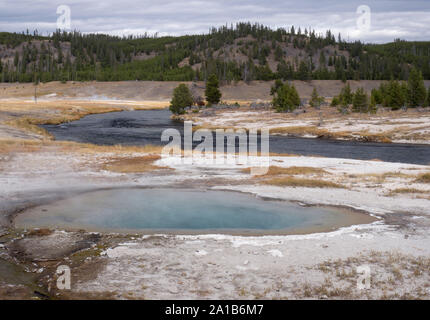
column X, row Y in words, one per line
column 242, row 52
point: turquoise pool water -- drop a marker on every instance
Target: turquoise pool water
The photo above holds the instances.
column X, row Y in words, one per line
column 185, row 211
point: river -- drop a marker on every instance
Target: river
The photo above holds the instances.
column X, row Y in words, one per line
column 145, row 127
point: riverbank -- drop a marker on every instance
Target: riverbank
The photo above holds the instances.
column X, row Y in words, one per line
column 24, row 106
column 410, row 126
column 20, row 119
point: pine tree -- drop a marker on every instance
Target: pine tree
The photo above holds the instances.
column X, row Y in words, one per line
column 376, row 96
column 278, row 53
column 316, row 100
column 303, row 72
column 404, row 93
column 181, row 99
column 276, row 86
column 334, row 102
column 322, row 59
column 212, row 92
column 16, row 59
column 281, row 100
column 346, row 95
column 394, row 97
column 286, row 98
column 360, row 101
column 294, row 96
column 372, row 102
column 417, row 89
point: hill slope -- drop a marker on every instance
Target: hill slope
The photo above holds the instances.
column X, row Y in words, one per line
column 242, row 52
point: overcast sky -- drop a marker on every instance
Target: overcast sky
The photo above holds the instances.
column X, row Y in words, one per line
column 391, row 19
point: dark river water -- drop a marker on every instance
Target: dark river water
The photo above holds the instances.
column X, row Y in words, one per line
column 145, row 127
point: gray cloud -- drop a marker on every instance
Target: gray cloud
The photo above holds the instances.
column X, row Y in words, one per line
column 390, row 19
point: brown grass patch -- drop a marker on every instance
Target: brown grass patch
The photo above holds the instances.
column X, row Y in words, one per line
column 19, row 145
column 297, row 182
column 423, row 178
column 69, row 146
column 40, row 232
column 384, row 137
column 275, row 170
column 300, row 130
column 133, row 165
column 407, row 190
column 29, row 125
column 326, row 134
column 381, row 177
column 274, row 154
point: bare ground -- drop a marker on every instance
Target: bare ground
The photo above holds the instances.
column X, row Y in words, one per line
column 162, row 90
column 410, row 126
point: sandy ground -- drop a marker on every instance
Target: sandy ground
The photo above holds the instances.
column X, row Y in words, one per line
column 412, row 126
column 35, row 170
column 159, row 91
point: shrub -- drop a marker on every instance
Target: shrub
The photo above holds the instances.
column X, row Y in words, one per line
column 424, row 178
column 181, row 99
column 286, row 97
column 334, row 102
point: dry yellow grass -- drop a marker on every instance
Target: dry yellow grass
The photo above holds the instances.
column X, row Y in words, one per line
column 29, row 125
column 298, row 182
column 324, row 133
column 384, row 137
column 274, row 154
column 275, row 171
column 133, row 165
column 68, row 146
column 423, row 178
column 300, row 130
column 407, row 190
column 382, row 177
column 19, row 145
column 395, row 174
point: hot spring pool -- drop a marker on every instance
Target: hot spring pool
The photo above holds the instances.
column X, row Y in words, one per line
column 187, row 212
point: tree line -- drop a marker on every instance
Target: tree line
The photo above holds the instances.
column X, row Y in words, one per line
column 392, row 94
column 65, row 56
